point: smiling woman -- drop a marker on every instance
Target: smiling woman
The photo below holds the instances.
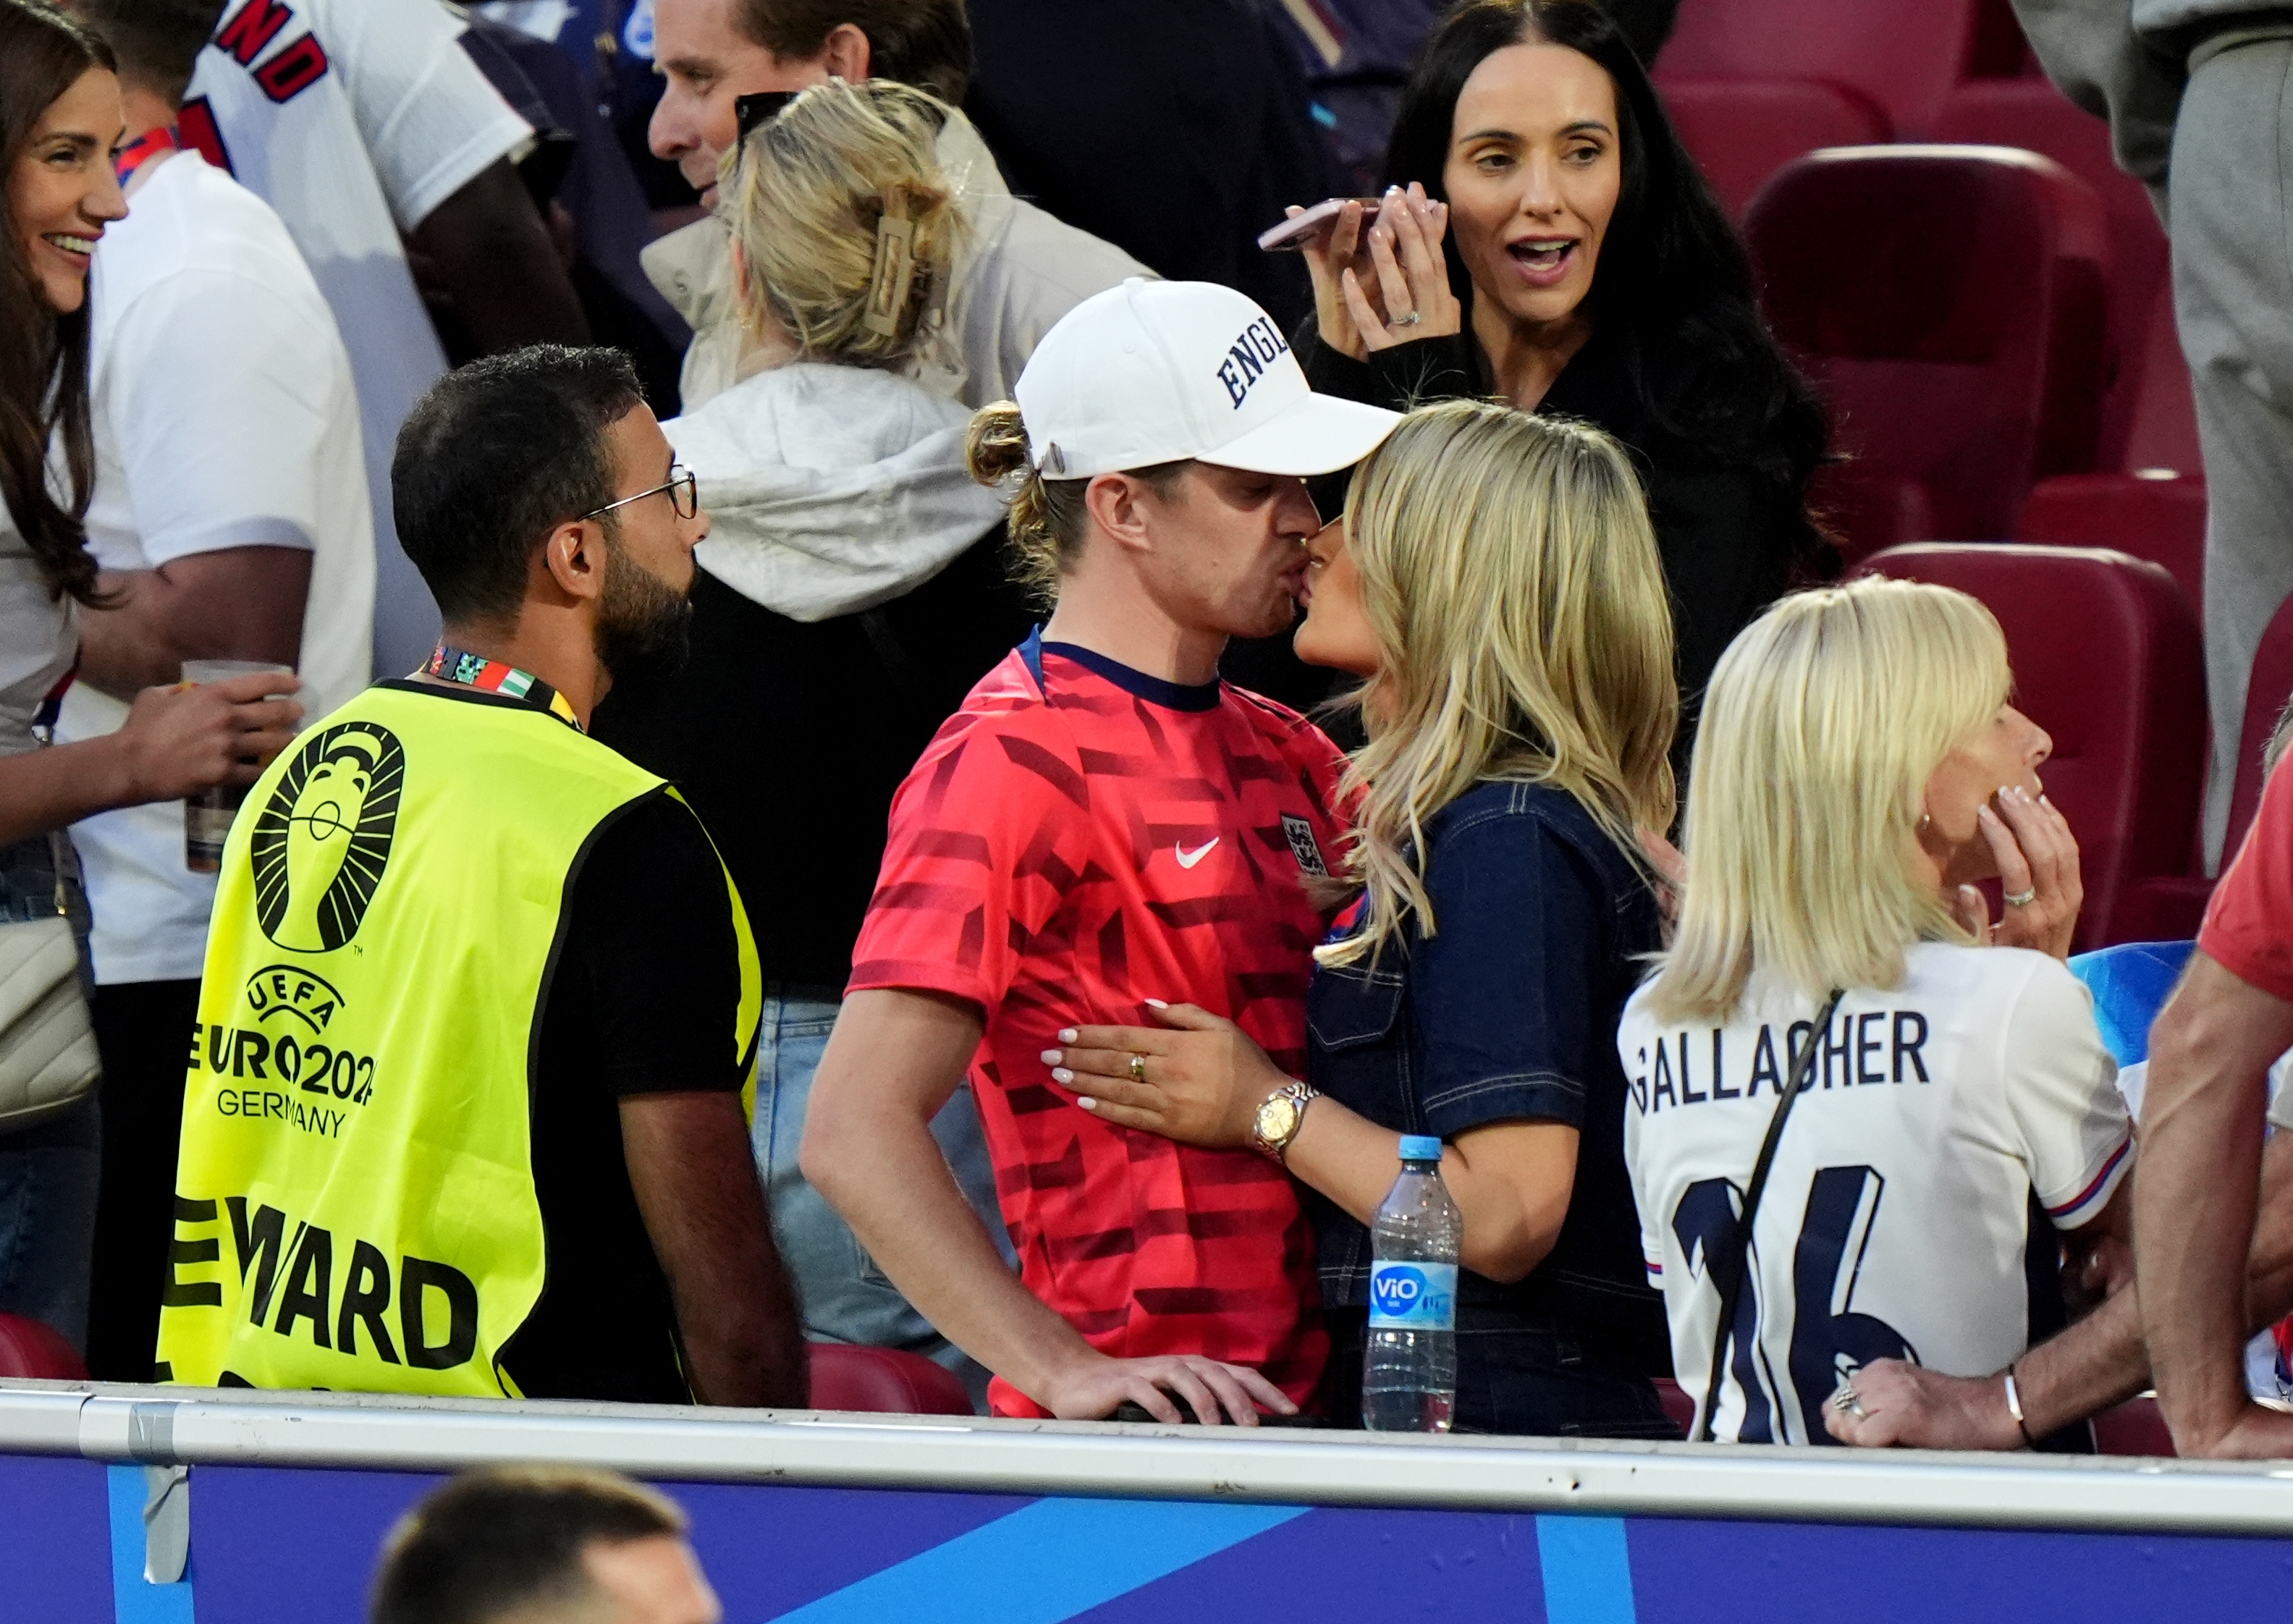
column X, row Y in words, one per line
column 60, row 119
column 61, row 122
column 1551, row 243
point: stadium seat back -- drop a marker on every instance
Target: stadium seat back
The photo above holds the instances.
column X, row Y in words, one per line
column 1906, row 55
column 30, row 1351
column 886, row 1381
column 2106, row 659
column 1742, row 131
column 2160, row 519
column 2031, row 114
column 2265, row 695
column 1948, row 301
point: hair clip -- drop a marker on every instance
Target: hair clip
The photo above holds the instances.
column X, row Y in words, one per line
column 1052, row 461
column 895, row 267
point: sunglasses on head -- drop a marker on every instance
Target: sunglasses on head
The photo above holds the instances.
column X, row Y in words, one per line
column 753, row 111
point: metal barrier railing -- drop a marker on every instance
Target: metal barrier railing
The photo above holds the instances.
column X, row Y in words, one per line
column 173, row 1426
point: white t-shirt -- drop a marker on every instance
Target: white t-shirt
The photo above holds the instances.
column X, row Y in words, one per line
column 354, row 119
column 1897, row 1213
column 39, row 639
column 224, row 417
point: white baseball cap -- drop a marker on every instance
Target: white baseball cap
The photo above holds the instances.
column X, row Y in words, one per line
column 1158, row 372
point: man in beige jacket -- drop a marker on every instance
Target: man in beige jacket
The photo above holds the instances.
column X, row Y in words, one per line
column 1019, row 272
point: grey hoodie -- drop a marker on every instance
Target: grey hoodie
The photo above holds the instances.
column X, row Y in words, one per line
column 2127, row 60
column 832, row 489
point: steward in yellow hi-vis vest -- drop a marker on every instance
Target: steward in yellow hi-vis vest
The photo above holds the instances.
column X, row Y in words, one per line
column 355, row 1202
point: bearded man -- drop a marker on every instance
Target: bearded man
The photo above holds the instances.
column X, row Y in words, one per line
column 464, row 1113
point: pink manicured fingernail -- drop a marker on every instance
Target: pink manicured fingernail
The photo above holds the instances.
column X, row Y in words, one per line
column 1984, row 810
column 1066, row 1034
column 1156, row 1004
column 1051, row 1057
column 1060, row 1074
column 1087, row 1103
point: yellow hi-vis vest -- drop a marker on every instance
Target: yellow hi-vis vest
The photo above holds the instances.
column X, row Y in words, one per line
column 354, row 1202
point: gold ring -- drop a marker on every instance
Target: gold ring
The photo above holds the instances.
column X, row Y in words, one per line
column 2024, row 899
column 1138, row 1068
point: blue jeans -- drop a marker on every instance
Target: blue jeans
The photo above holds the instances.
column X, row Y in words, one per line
column 49, row 1175
column 845, row 1296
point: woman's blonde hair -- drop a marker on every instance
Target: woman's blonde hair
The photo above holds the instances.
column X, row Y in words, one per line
column 1510, row 574
column 1824, row 720
column 1048, row 520
column 847, row 224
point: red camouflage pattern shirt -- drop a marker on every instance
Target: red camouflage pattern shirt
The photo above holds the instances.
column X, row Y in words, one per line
column 1064, row 850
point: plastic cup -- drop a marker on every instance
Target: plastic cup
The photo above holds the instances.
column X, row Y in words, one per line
column 207, row 815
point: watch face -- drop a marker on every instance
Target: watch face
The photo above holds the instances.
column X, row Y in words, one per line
column 1277, row 1119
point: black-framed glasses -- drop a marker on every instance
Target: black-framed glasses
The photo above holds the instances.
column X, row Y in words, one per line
column 683, row 494
column 759, row 108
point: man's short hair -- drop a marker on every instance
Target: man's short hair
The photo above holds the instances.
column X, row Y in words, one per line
column 923, row 43
column 158, row 42
column 495, row 1542
column 497, row 455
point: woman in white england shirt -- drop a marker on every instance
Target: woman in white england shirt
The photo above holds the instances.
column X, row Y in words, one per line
column 1858, row 768
column 60, row 126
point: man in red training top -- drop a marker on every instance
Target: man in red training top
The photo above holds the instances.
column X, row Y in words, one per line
column 1104, row 816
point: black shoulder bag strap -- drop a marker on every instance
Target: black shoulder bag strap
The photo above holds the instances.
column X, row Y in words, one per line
column 1735, row 1266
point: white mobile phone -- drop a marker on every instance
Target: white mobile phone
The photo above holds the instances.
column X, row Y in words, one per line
column 1317, row 223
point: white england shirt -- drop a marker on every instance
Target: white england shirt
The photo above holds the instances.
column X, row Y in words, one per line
column 1896, row 1215
column 354, row 119
column 224, row 417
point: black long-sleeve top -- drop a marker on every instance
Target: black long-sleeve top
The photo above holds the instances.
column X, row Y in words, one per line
column 1729, row 538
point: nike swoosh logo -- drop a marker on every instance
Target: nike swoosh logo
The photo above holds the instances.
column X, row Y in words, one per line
column 1187, row 860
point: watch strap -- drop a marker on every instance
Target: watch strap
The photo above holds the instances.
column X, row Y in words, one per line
column 1301, row 1095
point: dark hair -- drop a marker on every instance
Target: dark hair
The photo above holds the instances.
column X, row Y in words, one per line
column 158, row 42
column 1674, row 287
column 43, row 388
column 494, row 456
column 923, row 43
column 504, row 1538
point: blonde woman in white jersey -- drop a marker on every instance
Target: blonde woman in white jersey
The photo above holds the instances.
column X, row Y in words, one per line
column 1858, row 768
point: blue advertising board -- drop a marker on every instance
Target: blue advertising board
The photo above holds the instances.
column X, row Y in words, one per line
column 288, row 1503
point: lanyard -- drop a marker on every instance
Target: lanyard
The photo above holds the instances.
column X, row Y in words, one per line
column 450, row 665
column 143, row 148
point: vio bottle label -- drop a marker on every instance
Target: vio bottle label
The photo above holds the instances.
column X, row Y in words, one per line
column 1413, row 1295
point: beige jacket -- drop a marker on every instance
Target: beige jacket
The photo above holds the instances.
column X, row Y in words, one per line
column 1017, row 271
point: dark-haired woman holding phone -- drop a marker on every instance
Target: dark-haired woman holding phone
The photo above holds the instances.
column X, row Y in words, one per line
column 60, row 126
column 1587, row 273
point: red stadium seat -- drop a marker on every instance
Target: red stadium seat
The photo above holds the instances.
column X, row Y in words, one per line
column 2106, row 659
column 2158, row 514
column 884, row 1381
column 1906, row 55
column 29, row 1350
column 1742, row 131
column 2266, row 696
column 2162, row 431
column 2135, row 1427
column 1677, row 1404
column 2033, row 115
column 1949, row 301
column 2172, row 909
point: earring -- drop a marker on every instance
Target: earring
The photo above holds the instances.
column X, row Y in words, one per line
column 1926, row 822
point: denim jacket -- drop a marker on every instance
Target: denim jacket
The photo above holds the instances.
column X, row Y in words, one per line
column 1509, row 1010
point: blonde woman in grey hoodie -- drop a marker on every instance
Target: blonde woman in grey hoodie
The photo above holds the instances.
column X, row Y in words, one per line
column 851, row 591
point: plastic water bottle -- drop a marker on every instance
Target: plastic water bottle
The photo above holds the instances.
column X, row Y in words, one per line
column 1409, row 1370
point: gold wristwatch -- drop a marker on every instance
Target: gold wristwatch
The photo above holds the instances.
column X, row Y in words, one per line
column 1278, row 1120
